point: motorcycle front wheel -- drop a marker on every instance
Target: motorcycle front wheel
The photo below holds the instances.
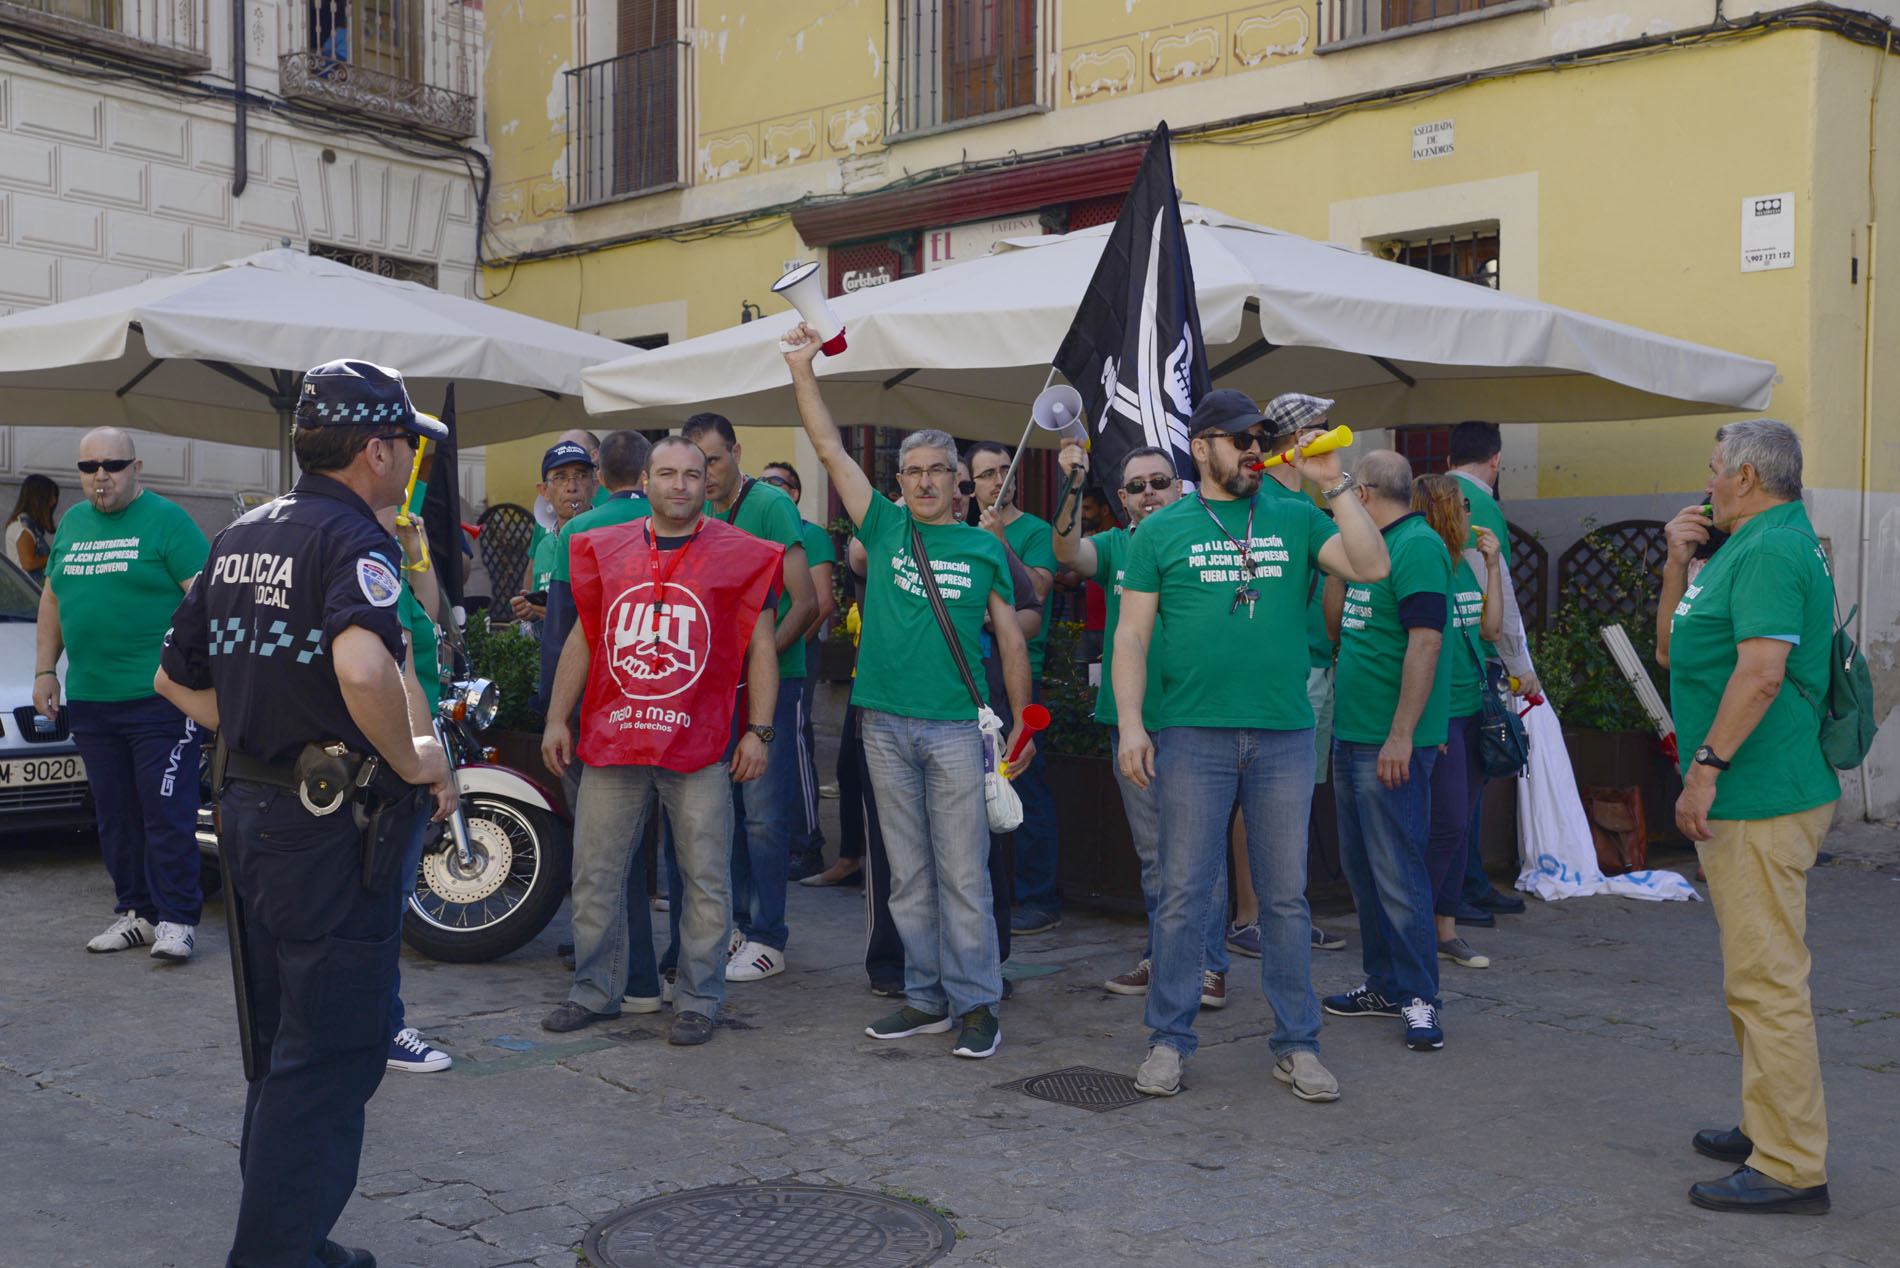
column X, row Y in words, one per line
column 516, row 877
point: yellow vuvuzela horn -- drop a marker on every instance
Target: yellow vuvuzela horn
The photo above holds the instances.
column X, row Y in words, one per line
column 1327, row 441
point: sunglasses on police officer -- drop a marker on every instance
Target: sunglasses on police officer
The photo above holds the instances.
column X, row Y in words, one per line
column 90, row 466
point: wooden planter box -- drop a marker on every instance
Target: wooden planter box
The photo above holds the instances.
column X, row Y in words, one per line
column 1620, row 759
column 1097, row 866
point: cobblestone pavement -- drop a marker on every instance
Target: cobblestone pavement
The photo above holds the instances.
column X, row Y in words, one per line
column 1553, row 1128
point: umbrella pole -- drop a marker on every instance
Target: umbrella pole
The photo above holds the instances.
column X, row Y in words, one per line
column 1009, row 477
column 284, row 400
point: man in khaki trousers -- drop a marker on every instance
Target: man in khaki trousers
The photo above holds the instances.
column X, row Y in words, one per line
column 1746, row 645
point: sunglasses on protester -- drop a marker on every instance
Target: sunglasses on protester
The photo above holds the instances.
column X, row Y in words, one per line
column 112, row 465
column 1245, row 440
column 966, row 487
column 1135, row 486
column 778, row 482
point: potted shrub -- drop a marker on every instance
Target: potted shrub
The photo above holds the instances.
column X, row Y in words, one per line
column 512, row 661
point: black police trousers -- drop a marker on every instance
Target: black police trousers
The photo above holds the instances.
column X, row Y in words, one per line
column 320, row 957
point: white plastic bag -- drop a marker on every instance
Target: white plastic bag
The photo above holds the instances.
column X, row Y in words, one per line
column 999, row 795
column 1557, row 854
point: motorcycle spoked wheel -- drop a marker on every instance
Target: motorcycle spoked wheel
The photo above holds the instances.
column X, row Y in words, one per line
column 520, row 859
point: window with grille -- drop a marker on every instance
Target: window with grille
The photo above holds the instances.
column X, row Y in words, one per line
column 963, row 59
column 1470, row 255
column 623, row 113
column 418, row 271
column 1362, row 19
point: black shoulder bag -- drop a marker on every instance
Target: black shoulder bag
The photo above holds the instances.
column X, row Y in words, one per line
column 1504, row 746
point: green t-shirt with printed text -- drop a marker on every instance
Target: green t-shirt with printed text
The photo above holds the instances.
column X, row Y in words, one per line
column 1223, row 666
column 541, row 561
column 1034, row 542
column 1373, row 639
column 1770, row 580
column 1463, row 645
column 904, row 665
column 770, row 515
column 1319, row 644
column 118, row 579
column 422, row 640
column 1111, row 562
column 818, row 546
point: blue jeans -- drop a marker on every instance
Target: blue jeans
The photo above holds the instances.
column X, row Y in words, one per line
column 764, row 812
column 1382, row 838
column 928, row 778
column 609, row 835
column 808, row 837
column 1039, row 839
column 1201, row 772
column 1457, row 782
column 142, row 762
column 1143, row 810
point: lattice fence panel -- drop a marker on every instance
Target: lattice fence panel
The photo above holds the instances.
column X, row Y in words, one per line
column 1591, row 575
column 1530, row 574
column 507, row 531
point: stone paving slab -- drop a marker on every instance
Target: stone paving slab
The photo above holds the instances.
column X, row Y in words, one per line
column 1552, row 1129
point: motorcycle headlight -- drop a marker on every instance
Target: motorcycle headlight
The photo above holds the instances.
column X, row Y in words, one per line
column 474, row 701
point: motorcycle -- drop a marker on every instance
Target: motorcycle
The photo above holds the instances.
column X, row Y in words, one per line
column 493, row 874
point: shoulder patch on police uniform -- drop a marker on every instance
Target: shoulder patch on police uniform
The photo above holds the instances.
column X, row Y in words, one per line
column 380, row 584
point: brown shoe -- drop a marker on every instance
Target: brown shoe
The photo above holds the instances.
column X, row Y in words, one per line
column 1133, row 982
column 1213, row 989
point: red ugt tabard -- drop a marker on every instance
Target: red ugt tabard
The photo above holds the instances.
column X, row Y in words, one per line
column 669, row 630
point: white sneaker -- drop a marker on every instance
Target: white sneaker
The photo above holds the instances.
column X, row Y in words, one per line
column 410, row 1051
column 173, row 942
column 641, row 1003
column 736, row 941
column 662, row 903
column 1309, row 1080
column 753, row 961
column 1160, row 1074
column 669, row 983
column 128, row 931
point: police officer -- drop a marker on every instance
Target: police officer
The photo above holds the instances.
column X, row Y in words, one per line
column 288, row 644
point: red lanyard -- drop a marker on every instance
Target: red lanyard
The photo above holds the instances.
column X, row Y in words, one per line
column 664, row 575
column 1246, row 564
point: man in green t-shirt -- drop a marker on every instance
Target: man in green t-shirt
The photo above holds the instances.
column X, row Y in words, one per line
column 1389, row 719
column 119, row 565
column 765, row 810
column 1219, row 581
column 1746, row 646
column 1146, row 483
column 923, row 746
column 569, row 481
column 821, row 556
column 1038, row 904
column 1477, row 450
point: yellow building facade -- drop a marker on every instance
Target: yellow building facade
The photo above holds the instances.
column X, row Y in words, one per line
column 658, row 163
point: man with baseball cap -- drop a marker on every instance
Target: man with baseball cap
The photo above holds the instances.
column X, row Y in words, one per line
column 1220, row 579
column 568, row 481
column 289, row 645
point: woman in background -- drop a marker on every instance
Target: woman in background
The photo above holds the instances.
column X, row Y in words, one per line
column 30, row 527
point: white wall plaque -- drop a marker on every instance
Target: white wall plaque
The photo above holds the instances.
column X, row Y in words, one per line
column 1768, row 232
column 1431, row 140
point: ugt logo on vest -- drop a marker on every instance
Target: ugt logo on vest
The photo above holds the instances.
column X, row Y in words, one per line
column 657, row 651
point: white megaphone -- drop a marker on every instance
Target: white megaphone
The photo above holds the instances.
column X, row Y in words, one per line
column 1059, row 409
column 804, row 291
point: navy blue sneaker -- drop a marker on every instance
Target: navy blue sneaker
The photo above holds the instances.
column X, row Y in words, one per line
column 1422, row 1031
column 1364, row 1002
column 1024, row 921
column 1244, row 939
column 1498, row 901
column 1476, row 917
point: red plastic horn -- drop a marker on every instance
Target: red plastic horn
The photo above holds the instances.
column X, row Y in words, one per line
column 1035, row 717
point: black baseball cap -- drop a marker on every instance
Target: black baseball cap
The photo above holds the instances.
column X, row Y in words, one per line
column 565, row 454
column 1224, row 410
column 351, row 393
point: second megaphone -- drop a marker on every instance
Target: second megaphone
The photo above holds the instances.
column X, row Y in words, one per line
column 803, row 290
column 1059, row 409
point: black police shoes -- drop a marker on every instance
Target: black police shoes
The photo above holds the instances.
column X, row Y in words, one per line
column 1748, row 1190
column 1724, row 1146
column 1498, row 901
column 331, row 1255
column 1475, row 916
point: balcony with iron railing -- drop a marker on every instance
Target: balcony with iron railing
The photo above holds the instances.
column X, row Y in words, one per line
column 413, row 62
column 171, row 33
column 1347, row 23
column 962, row 61
column 623, row 125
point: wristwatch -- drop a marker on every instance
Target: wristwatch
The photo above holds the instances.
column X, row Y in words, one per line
column 1705, row 756
column 765, row 733
column 1346, row 482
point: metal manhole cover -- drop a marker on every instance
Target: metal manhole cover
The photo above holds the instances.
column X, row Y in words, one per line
column 770, row 1226
column 1082, row 1086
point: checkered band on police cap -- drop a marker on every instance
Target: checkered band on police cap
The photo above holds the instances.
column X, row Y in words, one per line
column 1292, row 412
column 351, row 393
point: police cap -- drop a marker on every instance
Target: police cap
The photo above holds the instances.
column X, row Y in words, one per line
column 351, row 393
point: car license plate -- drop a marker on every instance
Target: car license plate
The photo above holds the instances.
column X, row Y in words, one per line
column 28, row 771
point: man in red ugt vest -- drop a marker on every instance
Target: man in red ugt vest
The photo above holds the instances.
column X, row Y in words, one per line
column 672, row 608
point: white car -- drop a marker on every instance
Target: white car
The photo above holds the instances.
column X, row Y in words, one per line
column 42, row 777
